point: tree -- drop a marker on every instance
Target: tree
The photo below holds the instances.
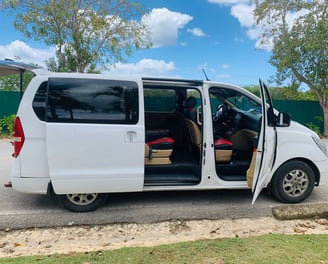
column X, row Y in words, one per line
column 298, row 31
column 284, row 93
column 86, row 33
column 12, row 82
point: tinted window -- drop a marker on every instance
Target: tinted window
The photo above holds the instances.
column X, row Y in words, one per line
column 159, row 100
column 92, row 101
column 39, row 101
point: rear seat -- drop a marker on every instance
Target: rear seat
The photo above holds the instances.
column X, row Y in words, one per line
column 223, row 150
column 159, row 151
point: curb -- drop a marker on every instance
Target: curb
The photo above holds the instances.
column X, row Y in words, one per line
column 304, row 211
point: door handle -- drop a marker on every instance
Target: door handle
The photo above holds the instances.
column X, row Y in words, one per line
column 131, row 136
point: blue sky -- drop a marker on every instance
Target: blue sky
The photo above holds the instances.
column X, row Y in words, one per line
column 187, row 35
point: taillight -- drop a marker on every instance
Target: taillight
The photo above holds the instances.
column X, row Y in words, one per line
column 19, row 137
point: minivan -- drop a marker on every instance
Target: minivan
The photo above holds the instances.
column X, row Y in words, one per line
column 79, row 137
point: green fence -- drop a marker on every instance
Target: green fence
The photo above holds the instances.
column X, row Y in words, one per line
column 308, row 113
column 305, row 112
column 9, row 102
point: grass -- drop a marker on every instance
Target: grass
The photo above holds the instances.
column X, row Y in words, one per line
column 262, row 249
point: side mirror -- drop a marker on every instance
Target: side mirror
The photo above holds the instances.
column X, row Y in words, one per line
column 283, row 120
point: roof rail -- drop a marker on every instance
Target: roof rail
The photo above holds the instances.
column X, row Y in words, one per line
column 172, row 80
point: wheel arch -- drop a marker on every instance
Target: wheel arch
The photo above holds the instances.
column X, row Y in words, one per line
column 309, row 163
column 50, row 191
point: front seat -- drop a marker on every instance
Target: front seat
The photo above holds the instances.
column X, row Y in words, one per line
column 190, row 117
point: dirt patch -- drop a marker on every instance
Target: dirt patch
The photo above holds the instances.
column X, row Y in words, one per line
column 93, row 238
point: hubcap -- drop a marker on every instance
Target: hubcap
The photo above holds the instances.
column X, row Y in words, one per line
column 295, row 183
column 82, row 198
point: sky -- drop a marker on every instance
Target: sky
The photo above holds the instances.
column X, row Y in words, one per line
column 218, row 36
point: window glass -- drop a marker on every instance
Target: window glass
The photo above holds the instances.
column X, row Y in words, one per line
column 92, row 101
column 234, row 99
column 39, row 101
column 159, row 100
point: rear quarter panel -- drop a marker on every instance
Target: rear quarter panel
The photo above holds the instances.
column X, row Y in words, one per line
column 32, row 159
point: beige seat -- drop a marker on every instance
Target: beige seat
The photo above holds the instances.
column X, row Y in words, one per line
column 157, row 156
column 194, row 132
column 222, row 154
column 158, row 152
column 223, row 150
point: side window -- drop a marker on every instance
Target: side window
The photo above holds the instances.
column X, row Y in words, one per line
column 159, row 100
column 39, row 101
column 92, row 101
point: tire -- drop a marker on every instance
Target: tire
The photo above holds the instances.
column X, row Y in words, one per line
column 82, row 202
column 293, row 182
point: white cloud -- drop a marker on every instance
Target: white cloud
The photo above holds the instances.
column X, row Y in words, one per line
column 223, row 76
column 196, row 31
column 26, row 53
column 244, row 14
column 145, row 67
column 292, row 16
column 243, row 11
column 225, row 66
column 164, row 24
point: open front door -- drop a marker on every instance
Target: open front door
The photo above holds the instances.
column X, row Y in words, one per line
column 267, row 144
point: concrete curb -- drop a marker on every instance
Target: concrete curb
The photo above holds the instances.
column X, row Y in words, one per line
column 303, row 211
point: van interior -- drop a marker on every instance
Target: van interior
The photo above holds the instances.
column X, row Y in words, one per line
column 174, row 129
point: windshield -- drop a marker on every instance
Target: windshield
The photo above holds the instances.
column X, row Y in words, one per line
column 234, row 99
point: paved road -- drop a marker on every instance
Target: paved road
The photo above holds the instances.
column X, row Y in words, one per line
column 19, row 210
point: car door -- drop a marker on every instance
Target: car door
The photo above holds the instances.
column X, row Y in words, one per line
column 267, row 144
column 95, row 135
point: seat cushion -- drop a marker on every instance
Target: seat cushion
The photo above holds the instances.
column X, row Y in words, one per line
column 223, row 144
column 161, row 143
column 223, row 150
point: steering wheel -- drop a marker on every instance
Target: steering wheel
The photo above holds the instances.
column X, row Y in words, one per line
column 221, row 112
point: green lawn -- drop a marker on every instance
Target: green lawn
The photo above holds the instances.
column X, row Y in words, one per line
column 262, row 249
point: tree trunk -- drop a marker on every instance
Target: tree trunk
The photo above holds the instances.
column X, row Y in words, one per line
column 325, row 120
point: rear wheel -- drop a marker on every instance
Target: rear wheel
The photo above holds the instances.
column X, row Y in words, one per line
column 82, row 202
column 293, row 182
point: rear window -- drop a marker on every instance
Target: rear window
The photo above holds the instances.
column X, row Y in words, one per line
column 88, row 101
column 39, row 101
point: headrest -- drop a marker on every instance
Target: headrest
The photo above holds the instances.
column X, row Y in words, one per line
column 191, row 102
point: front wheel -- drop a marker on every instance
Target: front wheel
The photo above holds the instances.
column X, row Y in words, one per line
column 293, row 182
column 82, row 202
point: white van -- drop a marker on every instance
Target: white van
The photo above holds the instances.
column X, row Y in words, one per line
column 79, row 137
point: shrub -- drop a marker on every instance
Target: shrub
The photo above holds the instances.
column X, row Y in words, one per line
column 314, row 127
column 7, row 125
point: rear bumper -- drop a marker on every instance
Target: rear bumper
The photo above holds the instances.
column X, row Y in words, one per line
column 30, row 185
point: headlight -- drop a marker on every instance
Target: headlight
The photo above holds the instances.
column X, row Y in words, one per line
column 320, row 144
